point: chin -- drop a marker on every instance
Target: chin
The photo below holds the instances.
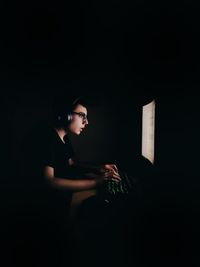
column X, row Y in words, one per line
column 76, row 132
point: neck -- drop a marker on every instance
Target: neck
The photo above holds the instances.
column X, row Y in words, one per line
column 61, row 132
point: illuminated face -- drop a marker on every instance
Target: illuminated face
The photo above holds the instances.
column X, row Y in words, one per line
column 79, row 120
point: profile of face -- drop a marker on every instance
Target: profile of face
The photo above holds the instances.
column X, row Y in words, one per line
column 79, row 119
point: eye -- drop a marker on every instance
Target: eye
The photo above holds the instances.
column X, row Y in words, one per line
column 82, row 115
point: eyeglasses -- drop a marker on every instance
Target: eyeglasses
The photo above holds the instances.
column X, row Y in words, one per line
column 82, row 115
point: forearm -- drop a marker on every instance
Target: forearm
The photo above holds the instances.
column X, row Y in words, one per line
column 74, row 185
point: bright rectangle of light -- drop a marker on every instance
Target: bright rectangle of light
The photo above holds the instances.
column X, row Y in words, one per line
column 148, row 131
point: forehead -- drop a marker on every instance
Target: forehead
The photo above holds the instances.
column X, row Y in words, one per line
column 80, row 108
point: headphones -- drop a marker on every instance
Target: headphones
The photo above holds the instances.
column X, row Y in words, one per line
column 65, row 119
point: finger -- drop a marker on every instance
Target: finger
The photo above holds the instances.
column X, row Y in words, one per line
column 106, row 175
column 116, row 180
column 112, row 179
column 116, row 177
column 114, row 173
column 114, row 167
column 111, row 167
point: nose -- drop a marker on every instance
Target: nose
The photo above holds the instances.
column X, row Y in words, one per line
column 86, row 121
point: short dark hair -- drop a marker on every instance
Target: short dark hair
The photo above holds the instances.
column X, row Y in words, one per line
column 80, row 101
column 65, row 105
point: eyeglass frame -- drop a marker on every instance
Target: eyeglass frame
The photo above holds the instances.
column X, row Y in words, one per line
column 82, row 115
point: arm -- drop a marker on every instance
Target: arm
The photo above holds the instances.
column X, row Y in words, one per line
column 70, row 184
column 78, row 184
column 88, row 167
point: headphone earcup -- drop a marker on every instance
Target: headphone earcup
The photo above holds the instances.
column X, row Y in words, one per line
column 64, row 120
column 69, row 115
column 69, row 118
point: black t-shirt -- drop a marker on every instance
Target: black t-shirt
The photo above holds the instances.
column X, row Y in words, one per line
column 56, row 153
column 43, row 147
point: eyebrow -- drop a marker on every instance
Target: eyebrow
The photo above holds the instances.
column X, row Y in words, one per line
column 80, row 112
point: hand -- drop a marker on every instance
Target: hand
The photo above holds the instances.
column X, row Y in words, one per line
column 111, row 167
column 112, row 175
column 108, row 167
column 110, row 172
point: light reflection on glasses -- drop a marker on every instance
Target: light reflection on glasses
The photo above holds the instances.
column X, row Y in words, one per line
column 82, row 115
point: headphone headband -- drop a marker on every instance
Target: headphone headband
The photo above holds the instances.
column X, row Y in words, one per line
column 65, row 119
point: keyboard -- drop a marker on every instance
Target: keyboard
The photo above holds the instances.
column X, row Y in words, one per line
column 110, row 192
column 112, row 189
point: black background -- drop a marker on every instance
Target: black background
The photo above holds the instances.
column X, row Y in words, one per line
column 122, row 52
